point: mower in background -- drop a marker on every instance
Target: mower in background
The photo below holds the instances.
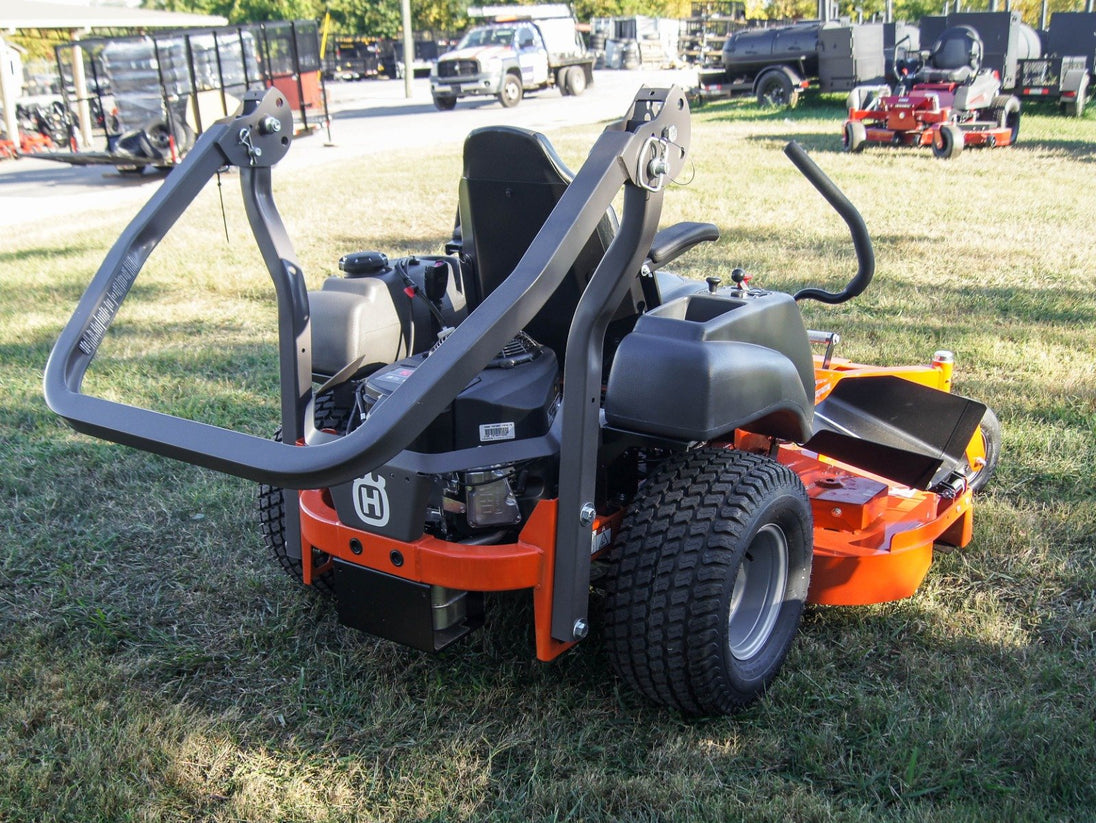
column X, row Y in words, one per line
column 945, row 100
column 543, row 408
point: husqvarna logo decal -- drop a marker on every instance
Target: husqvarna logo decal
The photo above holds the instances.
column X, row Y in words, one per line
column 371, row 500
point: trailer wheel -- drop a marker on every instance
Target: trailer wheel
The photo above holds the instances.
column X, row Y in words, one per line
column 855, row 135
column 511, row 92
column 443, row 102
column 985, row 449
column 776, row 90
column 575, row 78
column 272, row 503
column 948, row 141
column 707, row 581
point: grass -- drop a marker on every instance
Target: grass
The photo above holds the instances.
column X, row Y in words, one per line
column 155, row 665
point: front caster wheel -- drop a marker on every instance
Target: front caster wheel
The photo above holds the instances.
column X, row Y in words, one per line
column 707, row 583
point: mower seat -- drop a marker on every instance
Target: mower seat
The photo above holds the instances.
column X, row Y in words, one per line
column 512, row 180
column 955, row 57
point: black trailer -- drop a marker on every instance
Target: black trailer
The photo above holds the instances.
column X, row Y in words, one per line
column 776, row 64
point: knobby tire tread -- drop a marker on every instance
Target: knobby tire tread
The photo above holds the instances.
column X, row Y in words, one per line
column 664, row 607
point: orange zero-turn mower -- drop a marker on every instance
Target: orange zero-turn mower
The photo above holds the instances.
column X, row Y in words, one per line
column 542, row 408
column 945, row 100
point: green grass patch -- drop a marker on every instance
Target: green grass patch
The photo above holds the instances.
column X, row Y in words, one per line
column 156, row 665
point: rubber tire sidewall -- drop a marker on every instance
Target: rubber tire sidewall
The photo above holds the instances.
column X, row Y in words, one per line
column 772, row 81
column 854, row 137
column 671, row 579
column 991, row 433
column 576, row 80
column 271, row 502
column 951, row 142
column 507, row 98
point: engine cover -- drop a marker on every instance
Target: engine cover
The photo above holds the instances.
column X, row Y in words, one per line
column 511, row 401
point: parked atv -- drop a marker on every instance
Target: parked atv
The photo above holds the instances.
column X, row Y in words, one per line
column 542, row 400
column 945, row 100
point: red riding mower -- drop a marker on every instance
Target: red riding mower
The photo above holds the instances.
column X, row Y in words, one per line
column 541, row 408
column 944, row 99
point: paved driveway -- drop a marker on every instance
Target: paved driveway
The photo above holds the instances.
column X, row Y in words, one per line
column 367, row 117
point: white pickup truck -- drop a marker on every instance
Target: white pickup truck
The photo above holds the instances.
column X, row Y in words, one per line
column 520, row 49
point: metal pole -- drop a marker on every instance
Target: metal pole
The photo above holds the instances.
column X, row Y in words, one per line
column 408, row 48
column 9, row 91
column 80, row 89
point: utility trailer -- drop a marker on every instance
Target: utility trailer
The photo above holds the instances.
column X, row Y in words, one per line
column 1068, row 68
column 776, row 64
column 159, row 92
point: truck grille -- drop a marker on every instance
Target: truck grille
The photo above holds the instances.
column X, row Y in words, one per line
column 457, row 68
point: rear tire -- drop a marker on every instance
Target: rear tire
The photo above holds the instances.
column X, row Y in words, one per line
column 1007, row 109
column 855, row 136
column 271, row 503
column 576, row 80
column 990, row 431
column 707, row 582
column 948, row 141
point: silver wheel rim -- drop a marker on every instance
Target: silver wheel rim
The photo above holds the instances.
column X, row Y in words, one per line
column 510, row 91
column 758, row 592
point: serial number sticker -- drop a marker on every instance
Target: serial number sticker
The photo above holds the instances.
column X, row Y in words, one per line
column 490, row 432
column 600, row 540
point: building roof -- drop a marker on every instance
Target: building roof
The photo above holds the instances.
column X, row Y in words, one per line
column 45, row 14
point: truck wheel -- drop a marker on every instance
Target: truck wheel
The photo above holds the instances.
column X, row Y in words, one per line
column 511, row 92
column 776, row 91
column 855, row 135
column 576, row 80
column 985, row 449
column 272, row 503
column 948, row 141
column 707, row 581
column 563, row 81
column 444, row 102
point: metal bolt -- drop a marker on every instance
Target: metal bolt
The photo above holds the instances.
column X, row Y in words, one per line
column 270, row 125
column 670, row 133
column 658, row 167
column 586, row 514
column 581, row 629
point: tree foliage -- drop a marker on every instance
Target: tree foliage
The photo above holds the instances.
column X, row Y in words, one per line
column 381, row 18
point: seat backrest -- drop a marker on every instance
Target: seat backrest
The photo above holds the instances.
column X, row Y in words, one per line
column 512, row 180
column 958, row 48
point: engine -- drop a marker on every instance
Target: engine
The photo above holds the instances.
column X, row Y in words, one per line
column 514, row 398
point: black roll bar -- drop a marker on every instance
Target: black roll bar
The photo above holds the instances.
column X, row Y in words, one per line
column 643, row 152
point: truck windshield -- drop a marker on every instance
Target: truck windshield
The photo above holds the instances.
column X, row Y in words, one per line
column 488, row 36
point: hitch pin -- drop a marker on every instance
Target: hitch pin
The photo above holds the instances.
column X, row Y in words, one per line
column 253, row 151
